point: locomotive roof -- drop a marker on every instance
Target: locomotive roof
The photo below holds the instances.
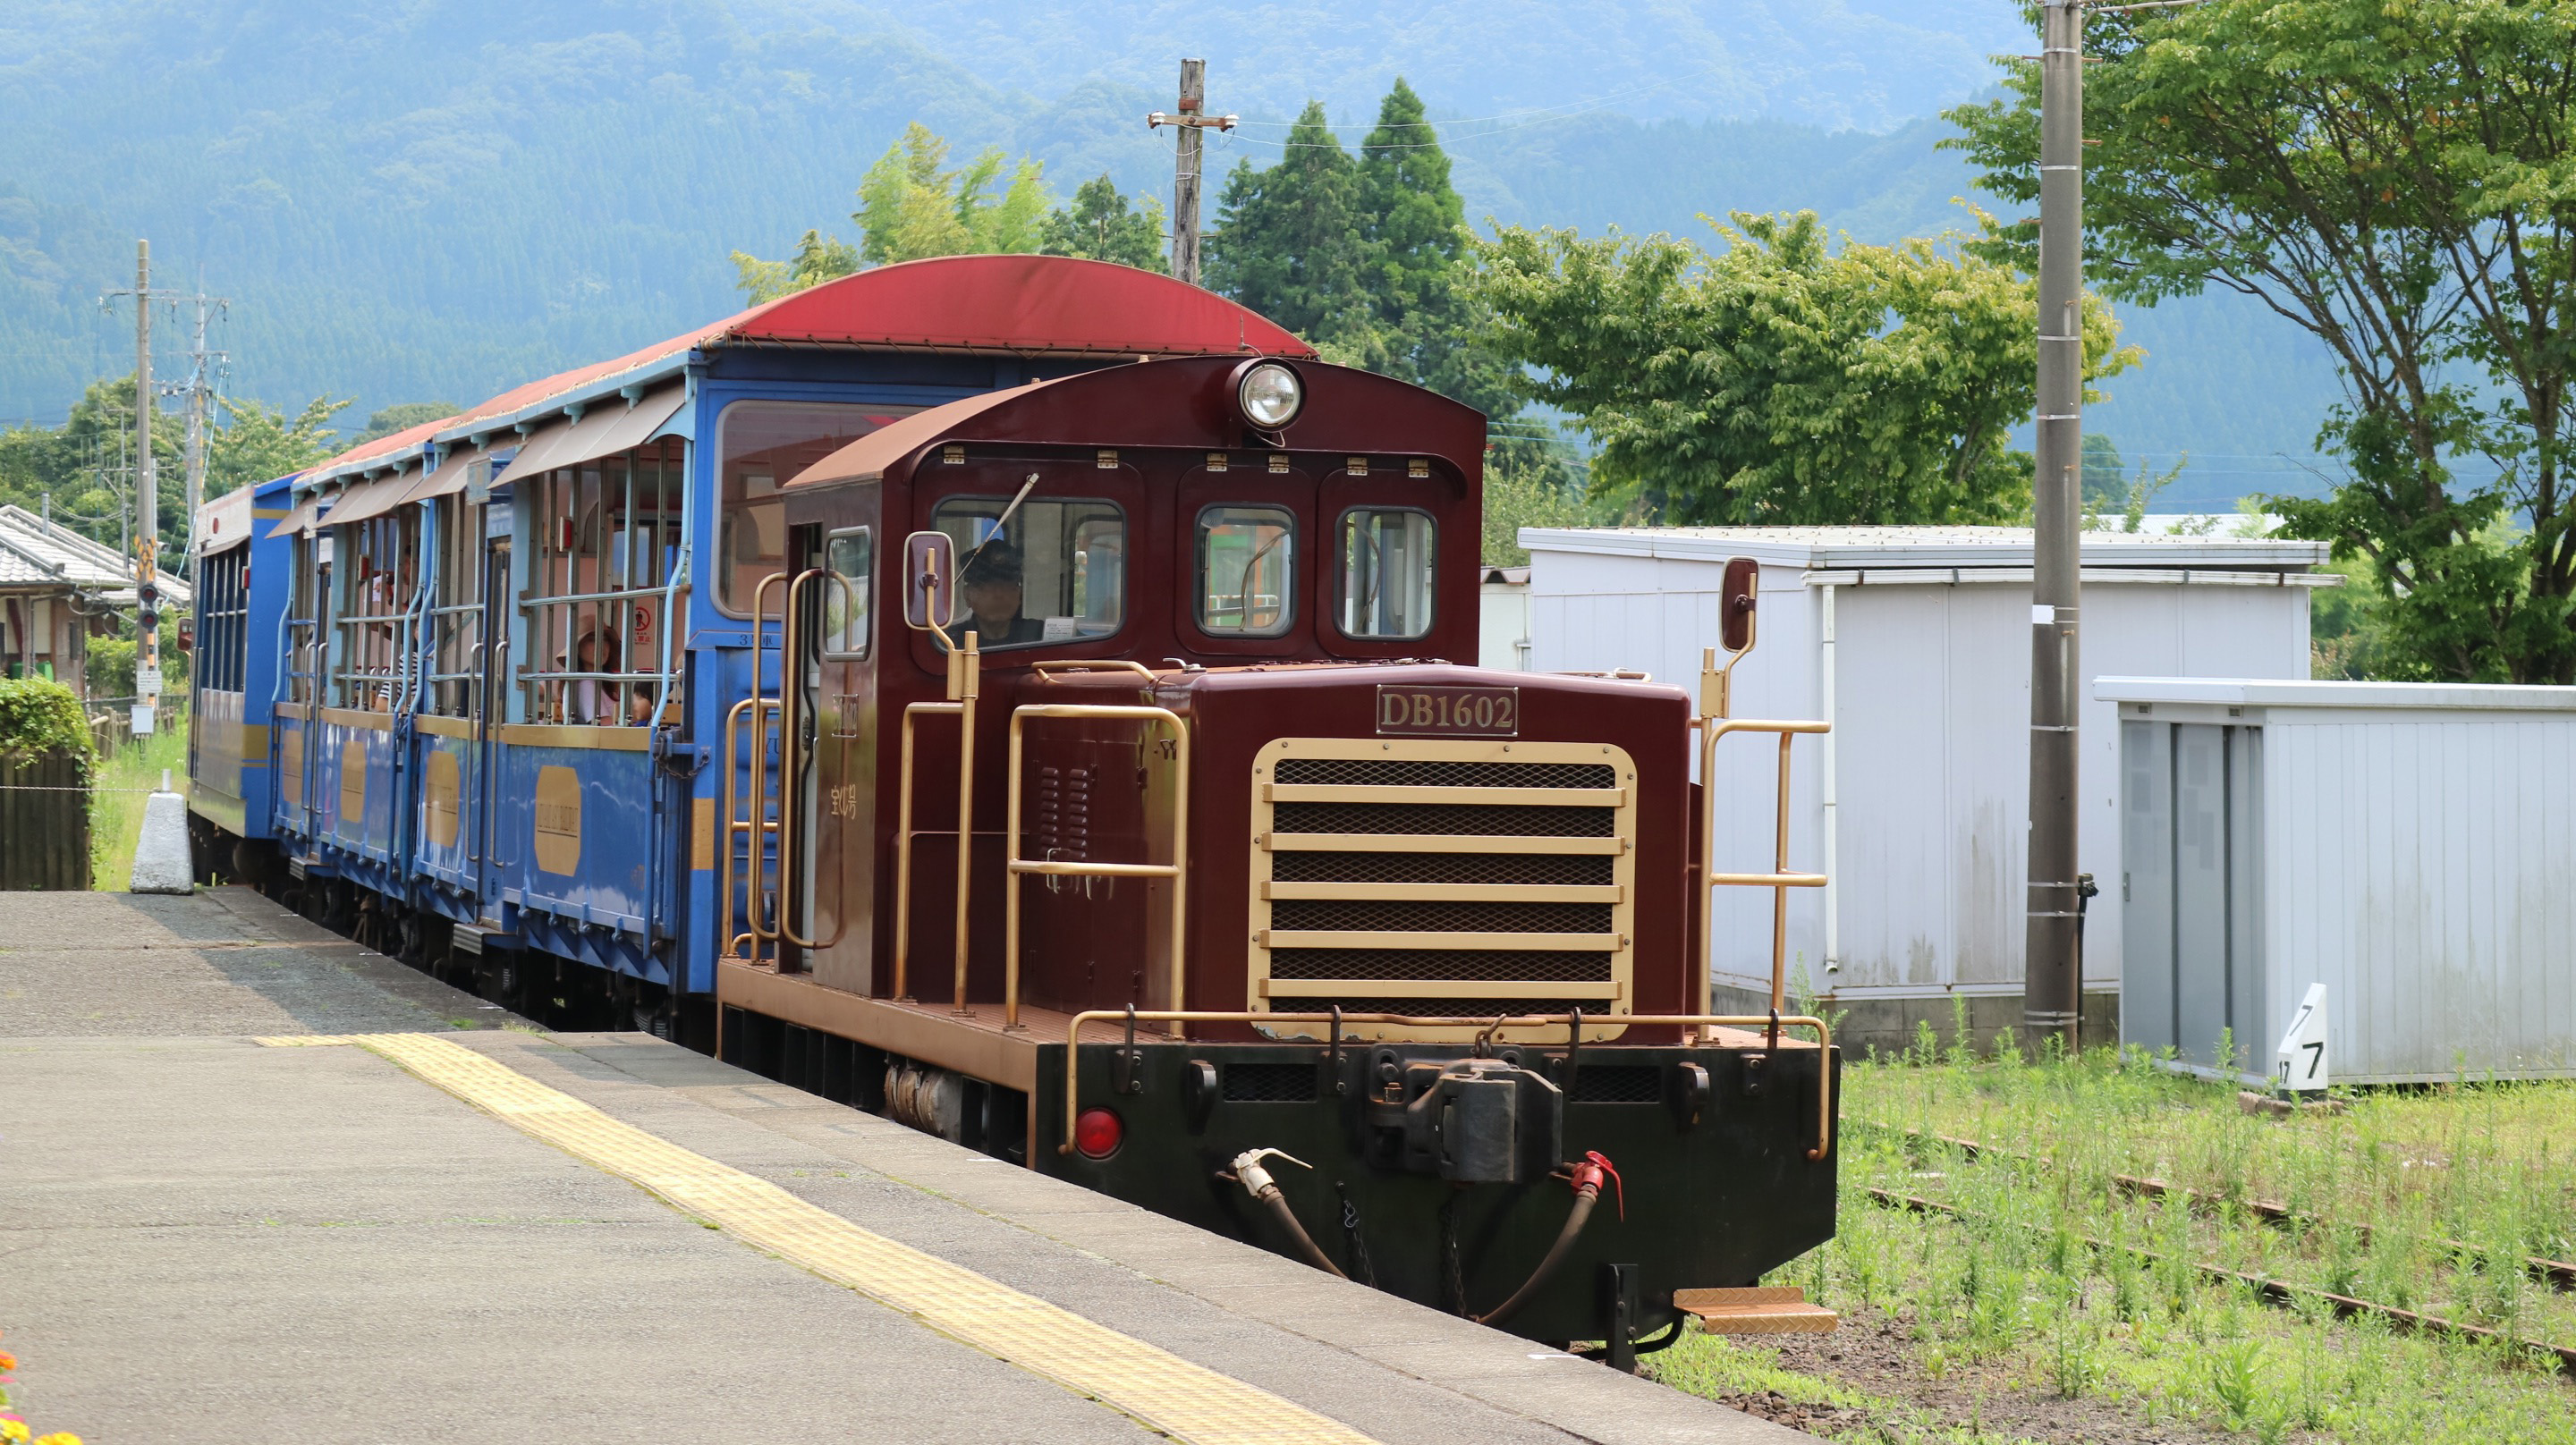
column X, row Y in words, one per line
column 1180, row 402
column 1011, row 305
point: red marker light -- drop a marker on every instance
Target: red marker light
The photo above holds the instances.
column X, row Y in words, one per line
column 1097, row 1133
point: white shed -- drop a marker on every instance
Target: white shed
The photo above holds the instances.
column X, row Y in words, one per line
column 2411, row 846
column 1915, row 643
column 1503, row 636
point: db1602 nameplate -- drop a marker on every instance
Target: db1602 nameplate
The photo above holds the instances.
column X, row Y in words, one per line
column 1448, row 712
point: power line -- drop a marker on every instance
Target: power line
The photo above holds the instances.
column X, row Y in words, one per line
column 1571, row 107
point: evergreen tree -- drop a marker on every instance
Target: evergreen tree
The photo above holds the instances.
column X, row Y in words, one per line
column 1288, row 241
column 819, row 258
column 399, row 417
column 1101, row 226
column 1416, row 233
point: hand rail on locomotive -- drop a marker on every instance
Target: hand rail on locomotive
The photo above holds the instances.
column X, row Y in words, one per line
column 796, row 750
column 760, row 824
column 1018, row 867
column 1779, row 881
column 1571, row 1022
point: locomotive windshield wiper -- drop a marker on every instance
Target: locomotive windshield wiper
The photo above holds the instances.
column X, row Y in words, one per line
column 1000, row 522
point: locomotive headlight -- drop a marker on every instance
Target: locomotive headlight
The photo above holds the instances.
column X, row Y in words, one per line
column 1269, row 394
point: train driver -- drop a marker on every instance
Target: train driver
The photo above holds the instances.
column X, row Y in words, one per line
column 991, row 588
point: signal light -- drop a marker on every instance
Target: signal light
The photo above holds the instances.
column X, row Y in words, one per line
column 1098, row 1132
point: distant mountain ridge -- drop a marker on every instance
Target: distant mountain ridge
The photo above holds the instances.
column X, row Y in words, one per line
column 447, row 197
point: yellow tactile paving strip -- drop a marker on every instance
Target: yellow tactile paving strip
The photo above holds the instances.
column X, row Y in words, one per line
column 1166, row 1392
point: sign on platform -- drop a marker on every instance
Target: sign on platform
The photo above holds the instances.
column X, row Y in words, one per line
column 147, row 681
column 2300, row 1063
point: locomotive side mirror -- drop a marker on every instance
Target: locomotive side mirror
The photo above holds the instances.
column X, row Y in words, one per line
column 929, row 581
column 1737, row 603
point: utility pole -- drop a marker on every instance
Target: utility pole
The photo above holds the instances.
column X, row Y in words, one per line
column 147, row 538
column 1187, row 170
column 2051, row 986
column 200, row 389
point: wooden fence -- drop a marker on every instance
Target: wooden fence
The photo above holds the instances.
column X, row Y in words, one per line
column 44, row 824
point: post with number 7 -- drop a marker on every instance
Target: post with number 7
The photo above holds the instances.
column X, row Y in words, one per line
column 2299, row 1065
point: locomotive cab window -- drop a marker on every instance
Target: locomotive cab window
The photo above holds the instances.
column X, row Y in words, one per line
column 1246, row 568
column 1054, row 571
column 761, row 445
column 851, row 558
column 1386, row 557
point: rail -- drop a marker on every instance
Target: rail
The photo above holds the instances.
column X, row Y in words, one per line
column 1570, row 1022
column 965, row 683
column 1780, row 880
column 1017, row 867
column 752, row 862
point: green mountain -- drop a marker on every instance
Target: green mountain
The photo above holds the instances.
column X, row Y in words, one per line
column 444, row 197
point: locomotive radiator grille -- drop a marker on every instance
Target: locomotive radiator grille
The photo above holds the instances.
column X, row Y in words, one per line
column 1448, row 877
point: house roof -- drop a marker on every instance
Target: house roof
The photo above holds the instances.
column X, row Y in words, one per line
column 35, row 553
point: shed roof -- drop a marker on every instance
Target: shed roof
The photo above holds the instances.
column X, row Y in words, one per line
column 1835, row 548
column 2281, row 693
column 35, row 552
column 1008, row 305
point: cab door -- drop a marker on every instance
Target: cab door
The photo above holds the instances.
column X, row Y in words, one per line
column 835, row 757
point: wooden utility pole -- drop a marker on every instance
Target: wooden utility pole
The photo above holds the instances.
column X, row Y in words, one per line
column 1187, row 169
column 2052, row 988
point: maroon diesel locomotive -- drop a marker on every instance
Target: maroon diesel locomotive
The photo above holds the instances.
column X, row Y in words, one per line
column 1117, row 805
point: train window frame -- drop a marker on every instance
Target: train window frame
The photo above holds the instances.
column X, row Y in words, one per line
column 601, row 562
column 1126, row 595
column 1340, row 572
column 734, row 504
column 857, row 589
column 1199, row 593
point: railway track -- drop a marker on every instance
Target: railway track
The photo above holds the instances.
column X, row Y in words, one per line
column 2281, row 1294
column 2557, row 1274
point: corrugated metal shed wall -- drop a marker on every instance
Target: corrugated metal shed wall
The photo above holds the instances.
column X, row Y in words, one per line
column 1932, row 719
column 2424, row 870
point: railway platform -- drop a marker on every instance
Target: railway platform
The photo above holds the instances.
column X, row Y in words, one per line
column 260, row 1183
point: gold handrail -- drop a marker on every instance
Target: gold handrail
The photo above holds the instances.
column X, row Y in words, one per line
column 1780, row 880
column 903, row 850
column 1103, row 664
column 1017, row 867
column 1073, row 1046
column 791, row 714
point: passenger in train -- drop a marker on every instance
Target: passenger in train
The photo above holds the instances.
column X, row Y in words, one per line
column 595, row 700
column 991, row 587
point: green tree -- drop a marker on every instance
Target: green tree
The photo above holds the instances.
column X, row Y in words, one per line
column 1779, row 380
column 911, row 207
column 85, row 465
column 2103, row 482
column 2400, row 181
column 1289, row 242
column 402, row 416
column 261, row 443
column 1101, row 225
column 1416, row 241
column 819, row 258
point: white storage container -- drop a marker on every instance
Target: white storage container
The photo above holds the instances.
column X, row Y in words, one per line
column 1915, row 643
column 2411, row 846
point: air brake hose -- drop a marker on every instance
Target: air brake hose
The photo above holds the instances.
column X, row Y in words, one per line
column 1256, row 1181
column 1586, row 1178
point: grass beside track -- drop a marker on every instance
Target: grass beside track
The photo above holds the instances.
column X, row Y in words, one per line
column 2123, row 1338
column 116, row 804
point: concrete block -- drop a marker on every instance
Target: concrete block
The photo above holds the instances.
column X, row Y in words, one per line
column 161, row 862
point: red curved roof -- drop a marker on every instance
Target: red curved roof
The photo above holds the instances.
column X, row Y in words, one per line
column 1008, row 305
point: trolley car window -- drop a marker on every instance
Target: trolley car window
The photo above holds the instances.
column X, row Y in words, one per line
column 1246, row 565
column 1055, row 572
column 760, row 446
column 1386, row 571
column 851, row 556
column 606, row 549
